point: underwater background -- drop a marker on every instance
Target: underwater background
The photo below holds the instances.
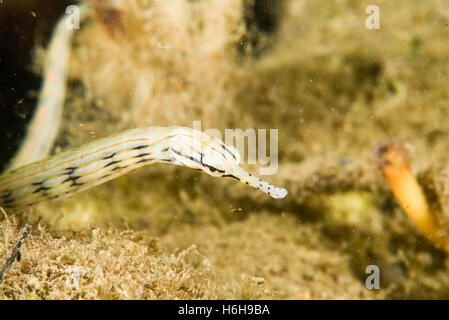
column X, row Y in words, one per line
column 334, row 89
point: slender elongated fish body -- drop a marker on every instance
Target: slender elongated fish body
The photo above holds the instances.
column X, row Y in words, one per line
column 105, row 159
column 43, row 128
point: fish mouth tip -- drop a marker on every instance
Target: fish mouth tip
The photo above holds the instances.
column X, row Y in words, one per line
column 280, row 194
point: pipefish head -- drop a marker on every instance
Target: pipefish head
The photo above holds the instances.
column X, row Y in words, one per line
column 199, row 151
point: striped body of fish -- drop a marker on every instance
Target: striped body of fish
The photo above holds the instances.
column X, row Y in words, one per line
column 105, row 159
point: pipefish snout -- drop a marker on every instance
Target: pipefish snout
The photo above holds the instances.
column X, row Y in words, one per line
column 105, row 159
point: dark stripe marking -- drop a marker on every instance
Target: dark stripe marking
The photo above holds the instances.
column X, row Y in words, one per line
column 140, row 147
column 142, row 155
column 118, row 168
column 112, row 163
column 71, row 178
column 110, row 156
column 145, row 160
column 226, row 148
column 43, row 188
column 230, row 176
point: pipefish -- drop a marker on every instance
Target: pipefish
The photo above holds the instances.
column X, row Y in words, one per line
column 31, row 180
column 105, row 159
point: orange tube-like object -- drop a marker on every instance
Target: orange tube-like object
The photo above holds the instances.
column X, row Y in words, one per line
column 395, row 166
